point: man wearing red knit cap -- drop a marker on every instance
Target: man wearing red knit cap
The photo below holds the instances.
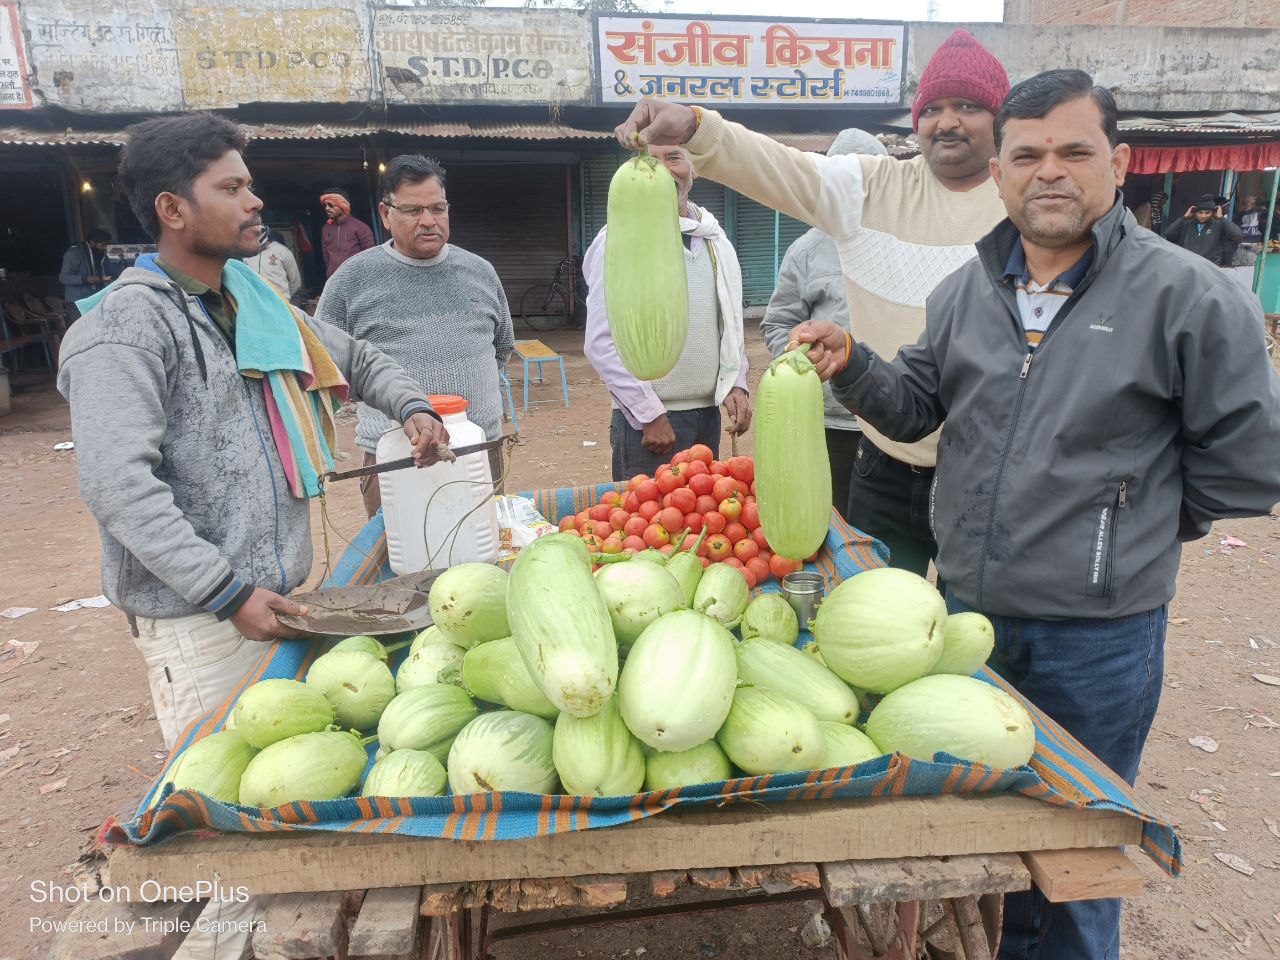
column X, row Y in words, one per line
column 899, row 228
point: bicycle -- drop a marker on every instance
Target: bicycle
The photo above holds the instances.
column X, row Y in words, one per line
column 545, row 306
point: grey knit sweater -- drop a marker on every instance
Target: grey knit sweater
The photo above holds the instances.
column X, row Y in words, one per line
column 444, row 320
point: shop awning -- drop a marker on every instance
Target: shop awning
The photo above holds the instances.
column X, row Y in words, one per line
column 817, row 141
column 1240, row 158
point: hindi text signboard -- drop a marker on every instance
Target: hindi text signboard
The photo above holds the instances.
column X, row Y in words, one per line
column 750, row 62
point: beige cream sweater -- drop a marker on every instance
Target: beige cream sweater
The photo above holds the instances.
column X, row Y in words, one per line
column 897, row 229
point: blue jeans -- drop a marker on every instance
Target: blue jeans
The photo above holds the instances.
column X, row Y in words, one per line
column 630, row 458
column 1099, row 679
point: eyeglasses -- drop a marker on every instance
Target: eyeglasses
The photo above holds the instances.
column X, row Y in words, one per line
column 437, row 210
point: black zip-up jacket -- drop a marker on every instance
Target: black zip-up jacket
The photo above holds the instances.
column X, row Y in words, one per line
column 1068, row 476
column 1217, row 242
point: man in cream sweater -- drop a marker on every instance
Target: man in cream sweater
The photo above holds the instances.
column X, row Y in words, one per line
column 899, row 228
column 651, row 421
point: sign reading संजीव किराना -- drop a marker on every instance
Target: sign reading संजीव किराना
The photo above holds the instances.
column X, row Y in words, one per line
column 761, row 63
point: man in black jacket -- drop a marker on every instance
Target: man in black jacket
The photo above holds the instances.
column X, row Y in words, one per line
column 1088, row 432
column 1204, row 229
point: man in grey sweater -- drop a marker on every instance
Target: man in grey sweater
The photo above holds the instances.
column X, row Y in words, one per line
column 436, row 309
column 811, row 287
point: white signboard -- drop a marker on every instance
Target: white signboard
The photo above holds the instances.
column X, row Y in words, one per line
column 755, row 62
column 465, row 55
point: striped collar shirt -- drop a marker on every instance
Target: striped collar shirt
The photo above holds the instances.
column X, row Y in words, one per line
column 1038, row 304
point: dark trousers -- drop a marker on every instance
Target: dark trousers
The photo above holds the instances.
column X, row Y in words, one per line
column 1099, row 679
column 842, row 448
column 889, row 499
column 630, row 458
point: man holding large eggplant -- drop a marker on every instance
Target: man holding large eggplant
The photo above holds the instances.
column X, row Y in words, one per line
column 899, row 227
column 1088, row 433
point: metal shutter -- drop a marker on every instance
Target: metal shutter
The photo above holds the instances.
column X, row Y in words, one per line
column 515, row 216
column 761, row 237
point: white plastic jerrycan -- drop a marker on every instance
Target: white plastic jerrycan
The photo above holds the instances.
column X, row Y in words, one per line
column 444, row 514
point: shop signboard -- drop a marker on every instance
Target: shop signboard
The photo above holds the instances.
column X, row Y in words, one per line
column 755, row 62
column 15, row 88
column 468, row 55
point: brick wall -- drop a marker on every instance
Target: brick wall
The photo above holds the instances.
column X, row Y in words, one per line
column 1146, row 13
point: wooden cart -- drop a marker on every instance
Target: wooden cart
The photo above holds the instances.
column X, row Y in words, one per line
column 888, row 875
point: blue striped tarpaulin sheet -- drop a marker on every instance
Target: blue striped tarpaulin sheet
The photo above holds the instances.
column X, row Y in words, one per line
column 1061, row 772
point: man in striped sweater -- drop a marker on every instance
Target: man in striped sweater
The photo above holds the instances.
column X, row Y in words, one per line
column 899, row 228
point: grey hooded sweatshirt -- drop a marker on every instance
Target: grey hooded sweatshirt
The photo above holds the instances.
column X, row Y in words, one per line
column 1068, row 476
column 176, row 457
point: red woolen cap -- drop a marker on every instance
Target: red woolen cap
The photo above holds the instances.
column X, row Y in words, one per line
column 961, row 67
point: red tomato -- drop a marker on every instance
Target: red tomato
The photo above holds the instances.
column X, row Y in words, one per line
column 599, row 512
column 618, row 518
column 759, row 567
column 684, row 499
column 672, row 518
column 573, row 533
column 592, row 542
column 758, row 536
column 753, row 488
column 718, row 547
column 749, row 575
column 681, row 457
column 813, row 558
column 735, row 562
column 671, row 478
column 706, row 561
column 634, row 526
column 742, row 468
column 567, row 523
column 667, row 549
column 731, row 508
column 649, row 509
column 701, row 483
column 736, row 532
column 655, row 536
column 612, row 498
column 696, row 468
column 750, row 515
column 705, row 504
column 780, row 566
column 581, row 518
column 700, row 451
column 602, row 528
column 611, row 544
column 648, row 491
column 719, row 468
column 666, row 501
column 631, row 503
column 715, row 521
column 694, row 522
column 638, row 479
column 729, row 487
column 633, row 542
column 744, row 549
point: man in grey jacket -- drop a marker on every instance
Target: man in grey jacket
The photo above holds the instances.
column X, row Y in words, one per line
column 1088, row 433
column 811, row 287
column 85, row 268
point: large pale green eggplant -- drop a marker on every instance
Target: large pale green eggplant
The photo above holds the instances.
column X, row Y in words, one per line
column 793, row 472
column 561, row 625
column 646, row 293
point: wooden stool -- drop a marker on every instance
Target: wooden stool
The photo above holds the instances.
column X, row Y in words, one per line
column 536, row 353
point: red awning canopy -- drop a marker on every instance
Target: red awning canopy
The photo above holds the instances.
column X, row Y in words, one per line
column 1240, row 157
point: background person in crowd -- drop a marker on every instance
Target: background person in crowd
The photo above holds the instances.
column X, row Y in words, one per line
column 275, row 263
column 650, row 421
column 86, row 269
column 899, row 228
column 1206, row 231
column 343, row 236
column 811, row 287
column 1251, row 218
column 1089, row 433
column 204, row 528
column 435, row 308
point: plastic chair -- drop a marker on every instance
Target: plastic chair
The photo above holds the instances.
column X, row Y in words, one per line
column 511, row 403
column 535, row 353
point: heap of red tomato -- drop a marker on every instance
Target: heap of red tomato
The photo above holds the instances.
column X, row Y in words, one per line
column 691, row 494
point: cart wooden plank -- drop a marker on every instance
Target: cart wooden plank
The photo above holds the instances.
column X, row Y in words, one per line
column 299, row 926
column 850, row 882
column 1064, row 875
column 388, row 923
column 106, row 930
column 746, row 835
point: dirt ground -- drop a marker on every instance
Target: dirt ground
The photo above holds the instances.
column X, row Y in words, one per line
column 78, row 740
